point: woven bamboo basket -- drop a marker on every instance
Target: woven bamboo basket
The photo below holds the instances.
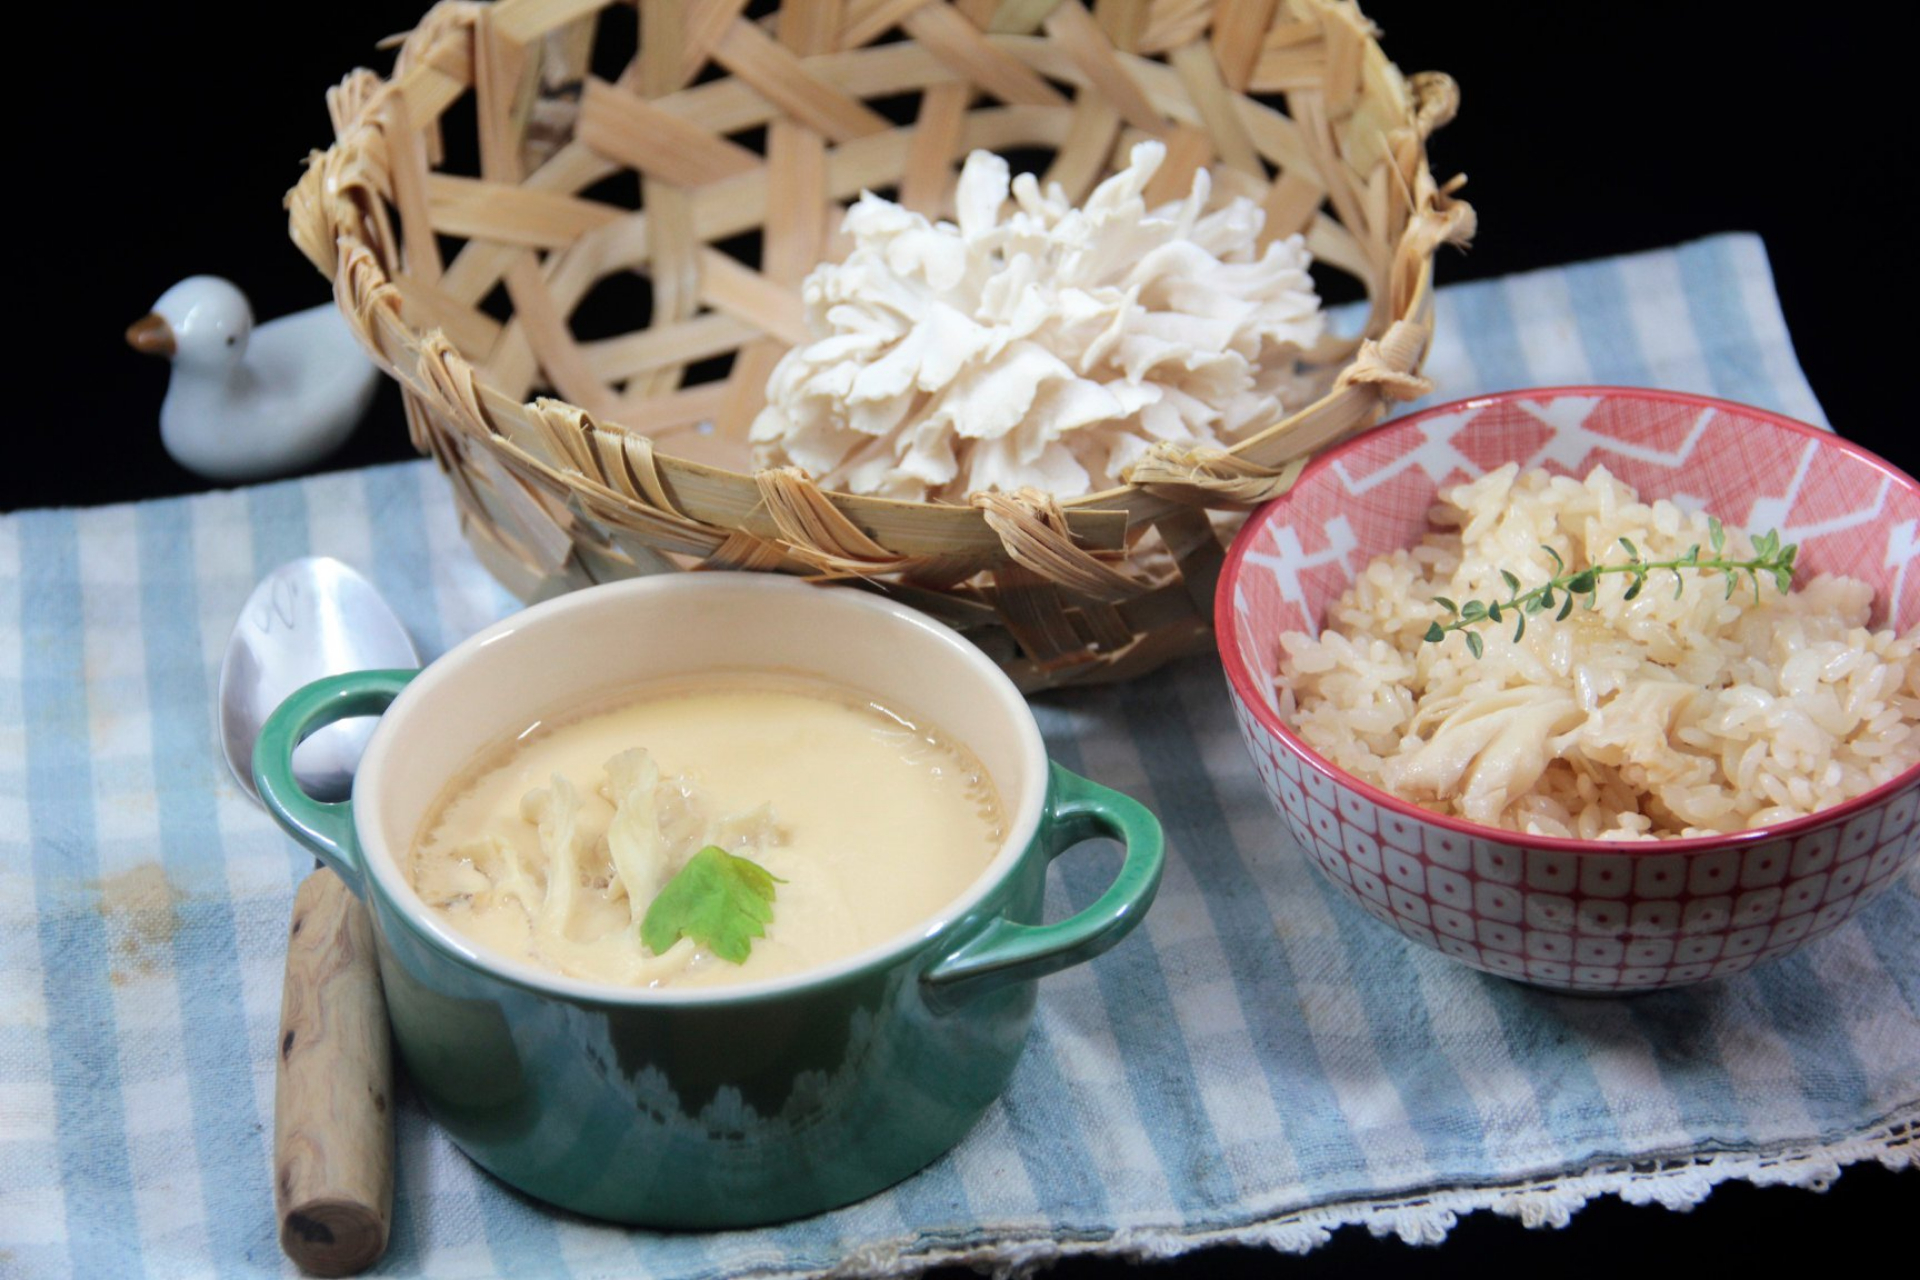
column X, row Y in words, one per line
column 740, row 135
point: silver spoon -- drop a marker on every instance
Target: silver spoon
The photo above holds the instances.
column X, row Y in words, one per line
column 333, row 1125
column 307, row 619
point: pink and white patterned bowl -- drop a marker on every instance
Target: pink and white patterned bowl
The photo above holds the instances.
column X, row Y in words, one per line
column 1569, row 914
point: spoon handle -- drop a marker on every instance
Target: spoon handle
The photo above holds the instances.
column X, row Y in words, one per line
column 333, row 1118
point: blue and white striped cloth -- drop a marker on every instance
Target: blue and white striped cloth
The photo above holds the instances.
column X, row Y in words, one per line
column 1260, row 1062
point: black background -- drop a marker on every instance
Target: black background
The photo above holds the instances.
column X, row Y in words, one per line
column 155, row 142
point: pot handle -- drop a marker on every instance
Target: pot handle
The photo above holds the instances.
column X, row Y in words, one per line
column 1004, row 952
column 325, row 828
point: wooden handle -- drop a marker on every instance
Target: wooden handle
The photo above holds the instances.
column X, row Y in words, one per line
column 333, row 1109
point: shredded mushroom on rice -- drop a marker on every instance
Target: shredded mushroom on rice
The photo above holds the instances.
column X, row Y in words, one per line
column 1660, row 716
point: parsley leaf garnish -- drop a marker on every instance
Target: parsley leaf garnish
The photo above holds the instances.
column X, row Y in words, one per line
column 721, row 901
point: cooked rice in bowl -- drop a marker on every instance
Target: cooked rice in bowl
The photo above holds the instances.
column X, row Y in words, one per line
column 1687, row 713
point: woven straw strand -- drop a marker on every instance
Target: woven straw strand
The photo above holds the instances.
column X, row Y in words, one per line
column 578, row 455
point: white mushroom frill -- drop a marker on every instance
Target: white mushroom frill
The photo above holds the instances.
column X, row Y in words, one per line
column 1036, row 344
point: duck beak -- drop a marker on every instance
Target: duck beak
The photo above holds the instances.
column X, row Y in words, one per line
column 151, row 335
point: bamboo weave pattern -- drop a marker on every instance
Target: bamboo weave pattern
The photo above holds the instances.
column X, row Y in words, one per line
column 528, row 154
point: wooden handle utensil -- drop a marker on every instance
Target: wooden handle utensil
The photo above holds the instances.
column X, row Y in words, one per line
column 333, row 1105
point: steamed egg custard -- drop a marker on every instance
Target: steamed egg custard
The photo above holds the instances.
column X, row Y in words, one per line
column 724, row 829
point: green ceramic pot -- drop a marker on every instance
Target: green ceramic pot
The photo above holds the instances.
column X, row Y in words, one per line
column 730, row 1106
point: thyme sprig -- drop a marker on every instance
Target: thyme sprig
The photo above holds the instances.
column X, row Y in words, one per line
column 1566, row 586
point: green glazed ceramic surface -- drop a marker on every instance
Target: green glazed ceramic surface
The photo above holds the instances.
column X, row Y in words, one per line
column 738, row 1106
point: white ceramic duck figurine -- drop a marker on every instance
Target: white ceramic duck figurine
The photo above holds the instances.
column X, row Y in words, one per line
column 245, row 405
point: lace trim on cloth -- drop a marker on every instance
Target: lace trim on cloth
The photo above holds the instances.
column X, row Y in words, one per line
column 1426, row 1217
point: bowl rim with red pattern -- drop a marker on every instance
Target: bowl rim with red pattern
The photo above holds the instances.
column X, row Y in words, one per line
column 1246, row 688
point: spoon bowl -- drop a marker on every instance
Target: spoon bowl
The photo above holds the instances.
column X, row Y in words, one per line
column 307, row 619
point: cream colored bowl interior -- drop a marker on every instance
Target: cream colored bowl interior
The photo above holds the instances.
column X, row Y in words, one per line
column 556, row 656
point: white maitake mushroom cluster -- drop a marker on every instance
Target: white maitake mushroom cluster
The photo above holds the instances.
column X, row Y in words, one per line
column 1050, row 347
